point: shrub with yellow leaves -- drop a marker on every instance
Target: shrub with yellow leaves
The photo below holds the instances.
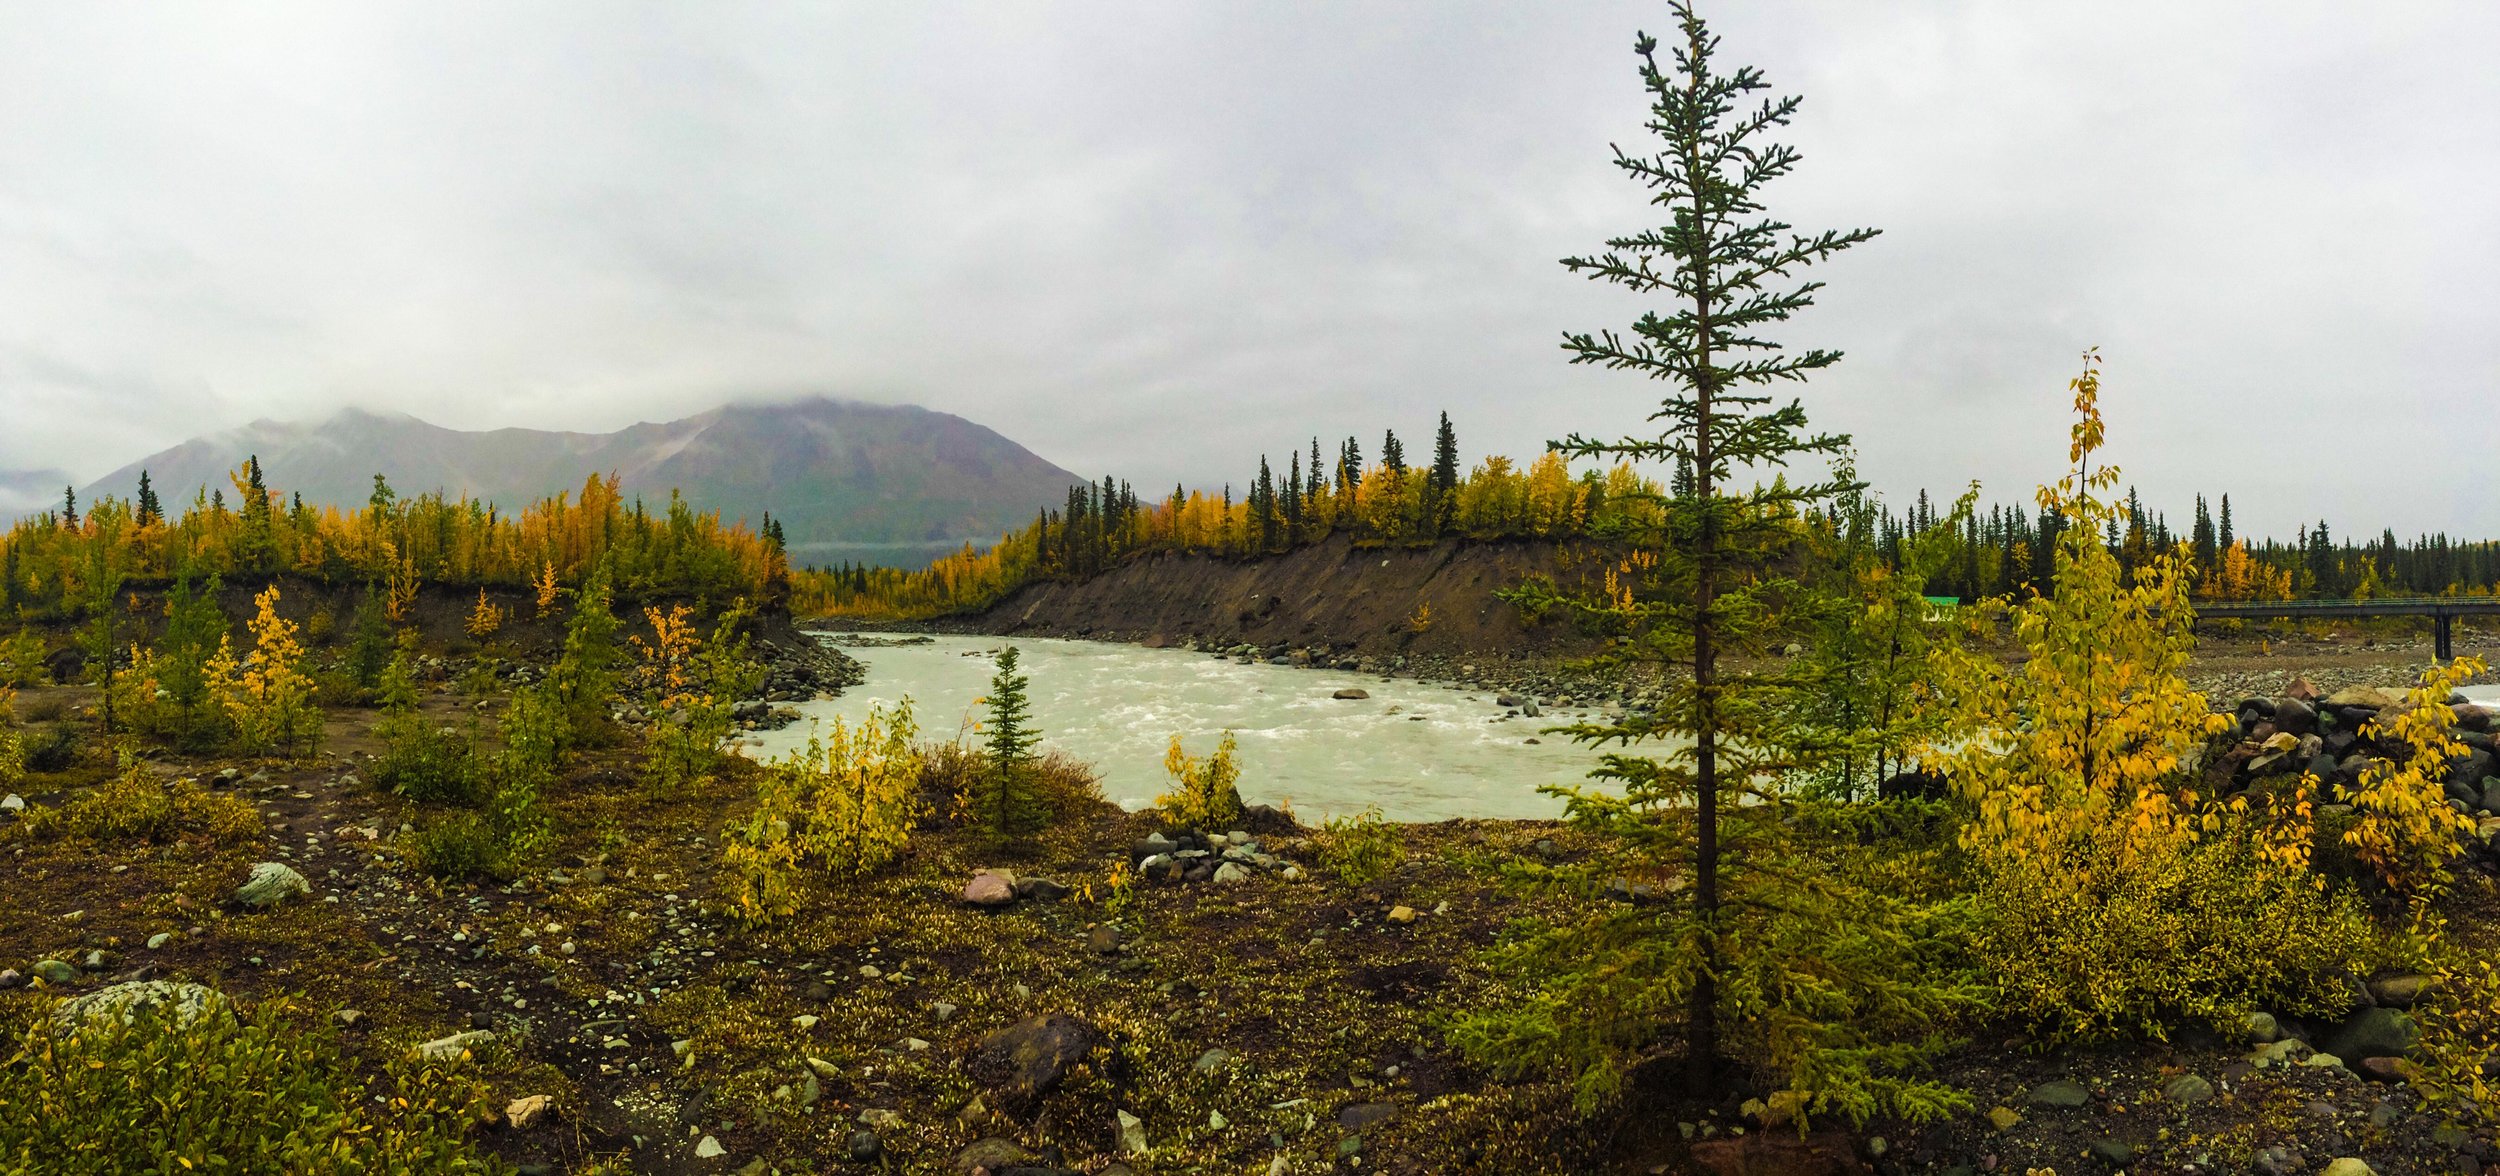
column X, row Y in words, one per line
column 2116, row 898
column 1203, row 795
column 847, row 804
column 2403, row 827
column 267, row 697
column 692, row 684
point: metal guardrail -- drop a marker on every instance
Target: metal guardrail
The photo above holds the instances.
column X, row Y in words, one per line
column 2443, row 611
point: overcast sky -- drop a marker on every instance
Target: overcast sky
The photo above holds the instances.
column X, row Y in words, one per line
column 1156, row 239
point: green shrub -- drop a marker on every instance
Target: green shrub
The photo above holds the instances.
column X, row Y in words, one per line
column 1361, row 849
column 426, row 762
column 519, row 775
column 846, row 804
column 2199, row 933
column 369, row 650
column 138, row 807
column 21, row 658
column 50, row 748
column 258, row 1090
column 457, row 845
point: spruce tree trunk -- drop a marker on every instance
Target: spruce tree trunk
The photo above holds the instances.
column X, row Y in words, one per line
column 1701, row 1032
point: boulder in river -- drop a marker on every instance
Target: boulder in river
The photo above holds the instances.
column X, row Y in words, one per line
column 1352, row 694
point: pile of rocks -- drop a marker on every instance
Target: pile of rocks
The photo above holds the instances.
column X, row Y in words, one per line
column 1207, row 857
column 801, row 671
column 2338, row 737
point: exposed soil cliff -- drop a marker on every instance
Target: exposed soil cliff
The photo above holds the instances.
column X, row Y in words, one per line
column 1422, row 600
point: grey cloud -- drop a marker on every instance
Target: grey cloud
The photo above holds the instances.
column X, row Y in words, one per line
column 1155, row 239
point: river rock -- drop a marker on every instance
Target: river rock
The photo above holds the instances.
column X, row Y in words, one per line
column 2295, row 717
column 2188, row 1090
column 2400, row 991
column 2260, row 1029
column 1352, row 694
column 271, row 883
column 2065, row 1092
column 12, row 803
column 1042, row 889
column 2372, row 1033
column 54, row 972
column 2366, row 697
column 178, row 1003
column 994, row 1155
column 524, row 1113
column 709, row 1148
column 1132, row 1134
column 1028, row 1059
column 1231, row 872
column 990, row 889
column 2115, row 1152
column 1362, row 1115
column 2348, row 1166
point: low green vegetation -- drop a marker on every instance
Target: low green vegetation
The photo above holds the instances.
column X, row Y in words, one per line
column 138, row 806
column 1361, row 849
column 259, row 1089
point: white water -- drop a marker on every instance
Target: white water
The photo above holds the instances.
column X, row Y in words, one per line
column 1420, row 752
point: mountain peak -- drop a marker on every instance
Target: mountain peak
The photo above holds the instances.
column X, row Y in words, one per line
column 846, row 480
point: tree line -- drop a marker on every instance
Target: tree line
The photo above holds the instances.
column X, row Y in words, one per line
column 70, row 563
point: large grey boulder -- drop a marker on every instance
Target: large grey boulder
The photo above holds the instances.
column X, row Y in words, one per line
column 271, row 883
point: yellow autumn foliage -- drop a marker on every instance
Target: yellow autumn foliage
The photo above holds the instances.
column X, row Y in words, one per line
column 2403, row 827
column 2117, row 897
column 267, row 696
column 485, row 619
column 1203, row 795
column 846, row 804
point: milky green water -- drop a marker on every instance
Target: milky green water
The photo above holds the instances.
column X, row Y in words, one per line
column 1420, row 752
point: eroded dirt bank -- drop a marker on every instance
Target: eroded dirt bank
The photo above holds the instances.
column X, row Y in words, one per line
column 1436, row 600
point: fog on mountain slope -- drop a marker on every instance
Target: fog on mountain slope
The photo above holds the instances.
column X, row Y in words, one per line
column 875, row 483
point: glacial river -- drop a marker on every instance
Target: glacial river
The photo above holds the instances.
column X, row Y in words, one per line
column 1420, row 752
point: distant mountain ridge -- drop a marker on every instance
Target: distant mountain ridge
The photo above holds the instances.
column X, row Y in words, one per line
column 877, row 483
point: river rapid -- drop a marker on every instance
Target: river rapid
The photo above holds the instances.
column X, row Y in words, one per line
column 1417, row 751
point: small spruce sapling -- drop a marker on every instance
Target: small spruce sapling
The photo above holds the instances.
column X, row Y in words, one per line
column 1008, row 803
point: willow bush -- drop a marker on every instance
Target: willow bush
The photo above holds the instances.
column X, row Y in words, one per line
column 2116, row 898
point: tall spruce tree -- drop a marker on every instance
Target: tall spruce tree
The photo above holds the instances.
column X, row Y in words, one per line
column 1444, row 483
column 149, row 510
column 1737, row 913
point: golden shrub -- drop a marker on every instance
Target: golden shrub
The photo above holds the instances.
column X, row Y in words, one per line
column 1203, row 795
column 2403, row 827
